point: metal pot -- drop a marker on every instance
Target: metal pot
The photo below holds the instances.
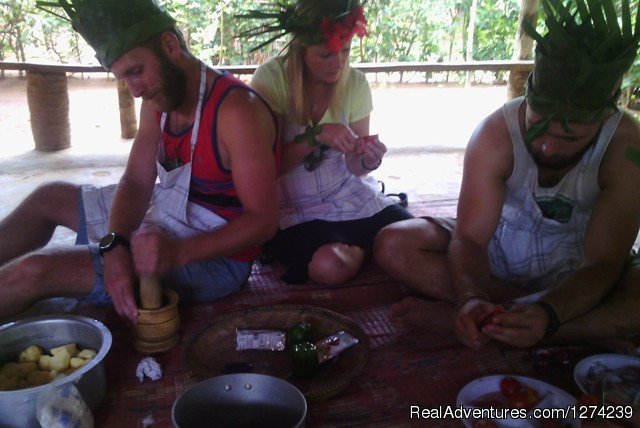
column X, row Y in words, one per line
column 18, row 408
column 241, row 400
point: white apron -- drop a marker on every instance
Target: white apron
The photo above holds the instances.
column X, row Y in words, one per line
column 170, row 209
column 529, row 248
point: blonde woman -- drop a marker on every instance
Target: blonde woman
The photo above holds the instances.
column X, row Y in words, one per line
column 330, row 213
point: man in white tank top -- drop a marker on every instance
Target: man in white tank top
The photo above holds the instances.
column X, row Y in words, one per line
column 548, row 212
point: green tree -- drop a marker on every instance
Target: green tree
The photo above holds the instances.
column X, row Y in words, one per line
column 495, row 29
column 399, row 30
column 15, row 19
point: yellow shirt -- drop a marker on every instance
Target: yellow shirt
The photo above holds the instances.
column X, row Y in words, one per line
column 270, row 80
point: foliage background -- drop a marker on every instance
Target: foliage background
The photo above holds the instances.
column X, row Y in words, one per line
column 400, row 30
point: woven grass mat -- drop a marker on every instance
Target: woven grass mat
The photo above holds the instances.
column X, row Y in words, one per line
column 420, row 369
column 214, row 348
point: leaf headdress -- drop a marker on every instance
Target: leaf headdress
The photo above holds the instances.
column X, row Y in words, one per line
column 333, row 22
column 580, row 62
column 112, row 27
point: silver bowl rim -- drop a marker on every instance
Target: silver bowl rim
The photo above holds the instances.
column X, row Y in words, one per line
column 236, row 375
column 75, row 376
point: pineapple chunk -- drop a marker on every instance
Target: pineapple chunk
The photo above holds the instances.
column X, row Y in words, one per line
column 45, row 362
column 70, row 348
column 87, row 354
column 53, row 375
column 76, row 363
column 35, row 367
column 38, row 377
column 9, row 369
column 60, row 360
column 8, row 383
column 25, row 368
column 32, row 354
column 18, row 370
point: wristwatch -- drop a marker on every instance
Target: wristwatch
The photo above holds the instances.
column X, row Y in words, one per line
column 111, row 241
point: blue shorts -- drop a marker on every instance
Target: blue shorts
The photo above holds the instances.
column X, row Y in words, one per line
column 203, row 281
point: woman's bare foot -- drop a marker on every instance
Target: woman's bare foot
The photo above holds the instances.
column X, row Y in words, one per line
column 417, row 314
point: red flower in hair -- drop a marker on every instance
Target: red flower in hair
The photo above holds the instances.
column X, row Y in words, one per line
column 332, row 34
column 336, row 34
column 357, row 21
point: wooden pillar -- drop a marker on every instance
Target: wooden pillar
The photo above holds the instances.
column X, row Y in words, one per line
column 48, row 101
column 523, row 49
column 128, row 120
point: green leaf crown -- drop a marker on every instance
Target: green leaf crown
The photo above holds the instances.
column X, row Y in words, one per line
column 337, row 22
column 112, row 27
column 580, row 62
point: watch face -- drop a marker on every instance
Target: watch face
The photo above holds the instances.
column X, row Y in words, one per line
column 107, row 241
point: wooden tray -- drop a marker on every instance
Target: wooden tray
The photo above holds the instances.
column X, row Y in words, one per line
column 214, row 347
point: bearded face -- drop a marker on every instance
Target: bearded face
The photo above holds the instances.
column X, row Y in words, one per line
column 558, row 148
column 173, row 83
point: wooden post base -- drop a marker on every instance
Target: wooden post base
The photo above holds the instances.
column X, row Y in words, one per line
column 49, row 109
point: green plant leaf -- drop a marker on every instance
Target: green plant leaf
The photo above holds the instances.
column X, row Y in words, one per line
column 626, row 20
column 597, row 17
column 583, row 11
column 612, row 18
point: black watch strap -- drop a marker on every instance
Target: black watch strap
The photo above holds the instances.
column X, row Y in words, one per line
column 111, row 241
column 553, row 323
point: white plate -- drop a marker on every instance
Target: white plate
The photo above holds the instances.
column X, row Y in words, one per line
column 552, row 397
column 611, row 361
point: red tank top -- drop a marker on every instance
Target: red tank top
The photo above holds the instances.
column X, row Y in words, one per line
column 211, row 183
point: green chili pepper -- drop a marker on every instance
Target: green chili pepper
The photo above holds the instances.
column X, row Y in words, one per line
column 301, row 332
column 305, row 359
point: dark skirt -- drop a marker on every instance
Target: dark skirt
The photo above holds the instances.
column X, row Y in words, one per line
column 294, row 246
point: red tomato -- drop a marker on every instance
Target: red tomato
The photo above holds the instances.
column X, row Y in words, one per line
column 509, row 386
column 533, row 396
column 489, row 318
column 526, row 398
column 588, row 400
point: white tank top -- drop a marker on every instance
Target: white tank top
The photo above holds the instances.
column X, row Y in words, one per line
column 539, row 239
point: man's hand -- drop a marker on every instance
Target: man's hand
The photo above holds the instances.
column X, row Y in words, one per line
column 522, row 326
column 119, row 279
column 154, row 253
column 467, row 320
column 337, row 136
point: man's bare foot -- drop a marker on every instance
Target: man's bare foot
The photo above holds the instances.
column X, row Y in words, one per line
column 418, row 314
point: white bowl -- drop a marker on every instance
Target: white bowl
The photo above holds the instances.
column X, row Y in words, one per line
column 551, row 397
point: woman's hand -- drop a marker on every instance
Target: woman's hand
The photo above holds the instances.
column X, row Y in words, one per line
column 337, row 136
column 372, row 150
